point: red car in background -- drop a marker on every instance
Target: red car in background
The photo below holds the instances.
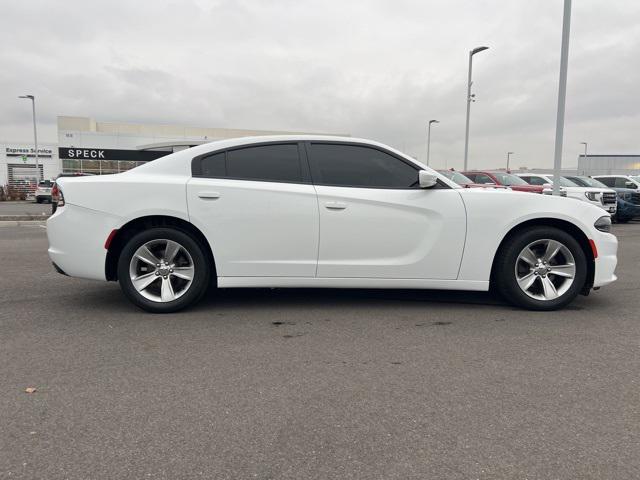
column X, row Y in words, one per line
column 465, row 181
column 504, row 179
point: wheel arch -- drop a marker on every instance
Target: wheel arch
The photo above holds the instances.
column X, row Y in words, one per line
column 131, row 228
column 564, row 225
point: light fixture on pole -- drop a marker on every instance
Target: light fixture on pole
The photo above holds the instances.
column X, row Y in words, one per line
column 470, row 98
column 585, row 155
column 429, row 139
column 562, row 96
column 35, row 134
column 508, row 158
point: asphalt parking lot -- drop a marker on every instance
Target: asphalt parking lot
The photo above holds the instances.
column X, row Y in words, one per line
column 299, row 384
column 25, row 208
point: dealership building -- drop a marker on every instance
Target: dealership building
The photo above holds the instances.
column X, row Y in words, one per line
column 88, row 146
column 609, row 164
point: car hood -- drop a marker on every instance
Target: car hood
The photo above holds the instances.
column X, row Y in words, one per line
column 585, row 189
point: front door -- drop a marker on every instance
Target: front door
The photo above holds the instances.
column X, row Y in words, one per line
column 375, row 222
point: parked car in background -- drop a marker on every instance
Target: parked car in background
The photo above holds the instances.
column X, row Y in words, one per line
column 504, row 179
column 628, row 199
column 465, row 181
column 602, row 197
column 320, row 211
column 55, row 190
column 619, row 181
column 43, row 191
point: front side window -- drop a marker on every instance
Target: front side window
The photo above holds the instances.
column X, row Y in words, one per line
column 484, row 179
column 535, row 180
column 621, row 182
column 267, row 163
column 356, row 166
column 608, row 181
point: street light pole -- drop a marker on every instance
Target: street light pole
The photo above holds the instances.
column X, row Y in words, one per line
column 585, row 154
column 429, row 139
column 562, row 96
column 35, row 135
column 508, row 158
column 469, row 100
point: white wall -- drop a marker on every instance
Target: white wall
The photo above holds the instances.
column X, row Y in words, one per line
column 51, row 164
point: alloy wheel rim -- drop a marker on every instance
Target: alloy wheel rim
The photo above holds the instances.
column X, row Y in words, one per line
column 545, row 269
column 161, row 270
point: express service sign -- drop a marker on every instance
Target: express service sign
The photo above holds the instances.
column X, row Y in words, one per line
column 27, row 152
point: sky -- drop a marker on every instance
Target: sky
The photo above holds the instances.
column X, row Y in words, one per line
column 378, row 69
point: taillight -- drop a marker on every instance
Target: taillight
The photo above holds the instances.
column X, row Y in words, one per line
column 60, row 198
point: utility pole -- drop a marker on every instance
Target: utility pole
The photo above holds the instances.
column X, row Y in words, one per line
column 562, row 96
column 429, row 139
column 470, row 98
column 35, row 135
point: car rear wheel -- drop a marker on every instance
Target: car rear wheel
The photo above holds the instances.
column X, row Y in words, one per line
column 163, row 270
column 541, row 268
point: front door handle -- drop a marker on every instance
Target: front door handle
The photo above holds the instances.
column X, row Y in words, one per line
column 335, row 205
column 209, row 195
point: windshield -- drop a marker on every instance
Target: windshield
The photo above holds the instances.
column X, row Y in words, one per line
column 457, row 177
column 565, row 182
column 508, row 179
column 588, row 182
column 635, row 177
column 45, row 183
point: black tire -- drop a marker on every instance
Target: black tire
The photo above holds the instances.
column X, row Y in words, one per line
column 505, row 268
column 201, row 276
column 38, row 200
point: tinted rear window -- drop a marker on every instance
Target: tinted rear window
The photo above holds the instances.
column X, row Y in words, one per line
column 271, row 163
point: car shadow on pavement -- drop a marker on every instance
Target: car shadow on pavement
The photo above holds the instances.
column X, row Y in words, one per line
column 297, row 297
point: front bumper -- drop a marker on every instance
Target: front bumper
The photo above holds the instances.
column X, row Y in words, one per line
column 627, row 210
column 609, row 207
column 605, row 264
column 76, row 240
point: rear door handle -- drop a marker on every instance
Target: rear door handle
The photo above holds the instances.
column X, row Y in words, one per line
column 209, row 195
column 335, row 205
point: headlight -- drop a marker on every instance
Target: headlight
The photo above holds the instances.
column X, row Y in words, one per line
column 592, row 196
column 624, row 196
column 603, row 224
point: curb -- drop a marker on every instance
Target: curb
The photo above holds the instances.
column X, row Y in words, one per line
column 21, row 223
column 23, row 218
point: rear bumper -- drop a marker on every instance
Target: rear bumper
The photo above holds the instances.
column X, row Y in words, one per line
column 76, row 241
column 605, row 264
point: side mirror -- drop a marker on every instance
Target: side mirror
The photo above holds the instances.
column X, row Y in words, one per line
column 630, row 185
column 426, row 179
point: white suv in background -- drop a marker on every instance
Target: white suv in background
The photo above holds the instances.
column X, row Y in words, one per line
column 619, row 181
column 604, row 198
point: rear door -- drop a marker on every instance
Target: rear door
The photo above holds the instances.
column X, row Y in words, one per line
column 258, row 209
column 375, row 222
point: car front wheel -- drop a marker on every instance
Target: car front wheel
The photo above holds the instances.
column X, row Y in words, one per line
column 541, row 268
column 163, row 270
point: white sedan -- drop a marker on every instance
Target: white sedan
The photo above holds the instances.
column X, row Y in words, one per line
column 315, row 211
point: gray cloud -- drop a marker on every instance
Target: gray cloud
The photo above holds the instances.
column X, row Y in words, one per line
column 377, row 69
